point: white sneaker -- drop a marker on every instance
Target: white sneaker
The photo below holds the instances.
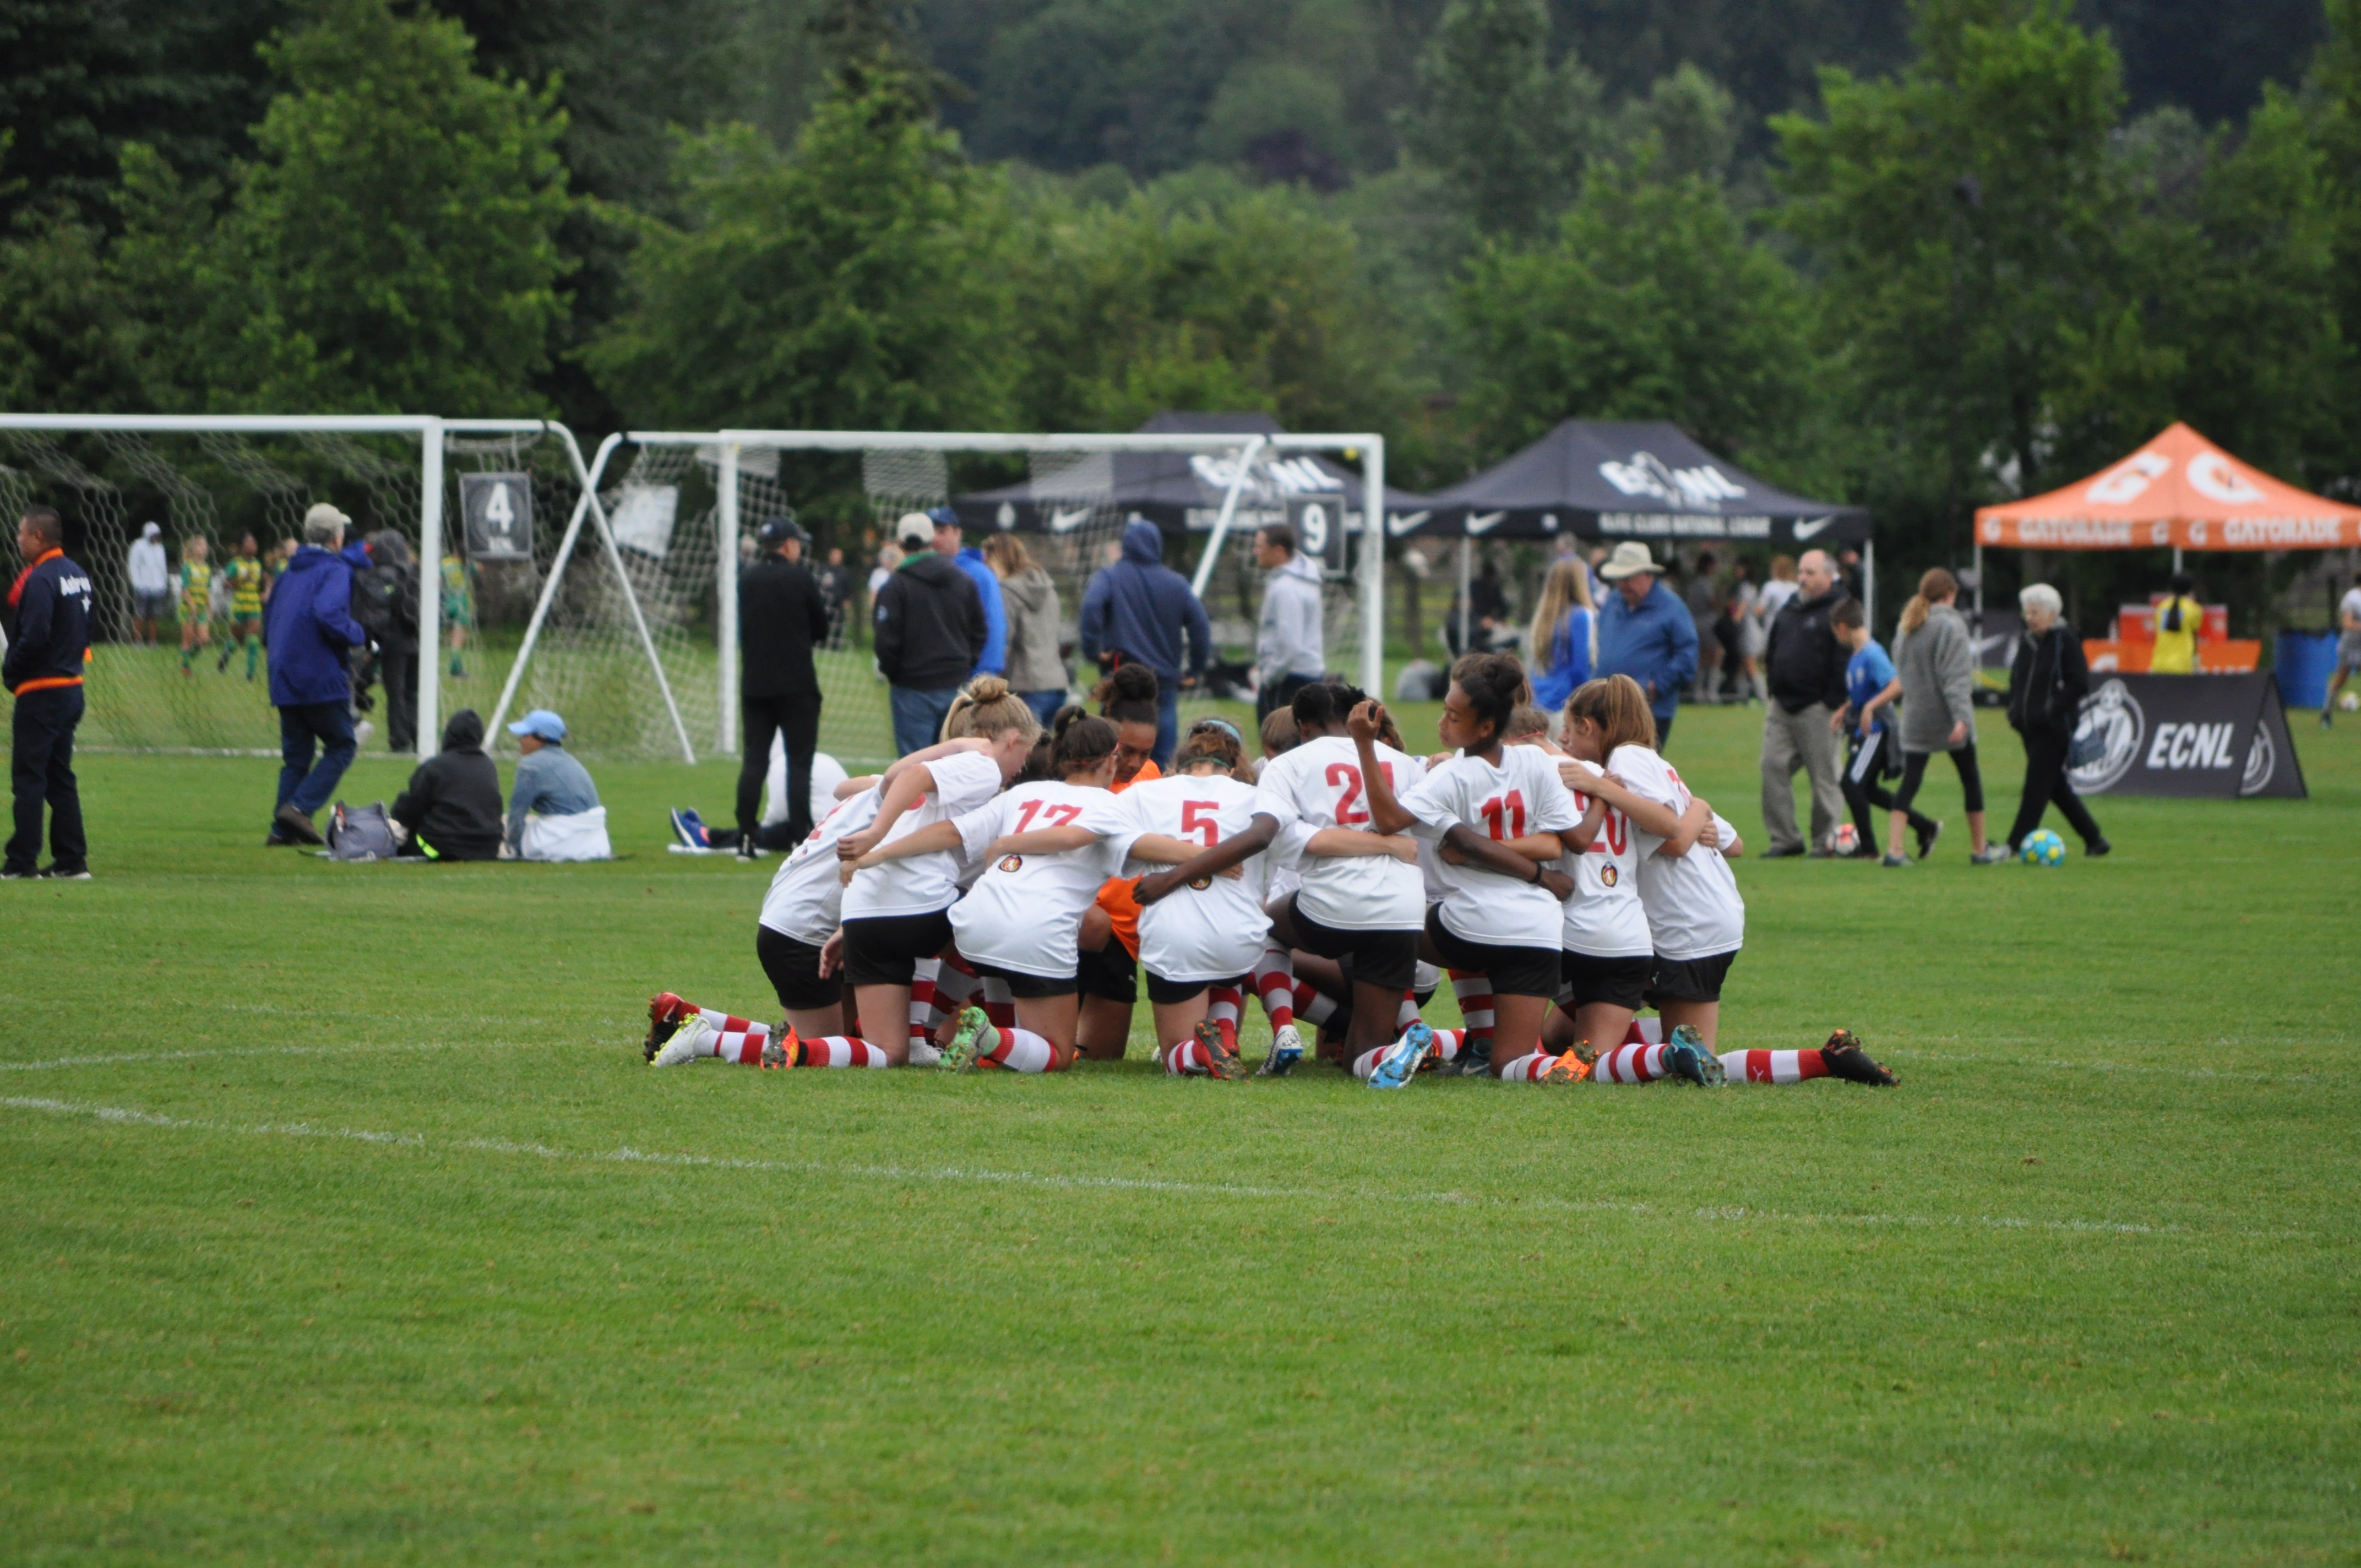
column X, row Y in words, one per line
column 693, row 1038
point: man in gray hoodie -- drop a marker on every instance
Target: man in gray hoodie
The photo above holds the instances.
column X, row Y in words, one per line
column 1289, row 651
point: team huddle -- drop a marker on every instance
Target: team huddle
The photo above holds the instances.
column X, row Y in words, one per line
column 987, row 901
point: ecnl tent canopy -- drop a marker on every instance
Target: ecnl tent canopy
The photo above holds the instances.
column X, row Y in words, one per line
column 1624, row 479
column 1179, row 492
column 2181, row 491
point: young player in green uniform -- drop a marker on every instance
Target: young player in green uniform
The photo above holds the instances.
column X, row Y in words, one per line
column 459, row 608
column 196, row 608
column 245, row 573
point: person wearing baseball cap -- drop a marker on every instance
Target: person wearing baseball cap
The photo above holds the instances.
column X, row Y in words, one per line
column 554, row 811
column 1645, row 632
column 308, row 628
column 782, row 616
column 931, row 632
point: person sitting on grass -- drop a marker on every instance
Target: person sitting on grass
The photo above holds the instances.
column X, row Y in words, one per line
column 554, row 810
column 451, row 809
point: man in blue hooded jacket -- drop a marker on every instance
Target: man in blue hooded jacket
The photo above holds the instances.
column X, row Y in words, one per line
column 1645, row 632
column 1136, row 612
column 308, row 626
column 952, row 546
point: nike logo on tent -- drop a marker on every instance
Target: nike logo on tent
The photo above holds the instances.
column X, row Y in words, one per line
column 1397, row 524
column 1485, row 523
column 1805, row 529
column 1067, row 522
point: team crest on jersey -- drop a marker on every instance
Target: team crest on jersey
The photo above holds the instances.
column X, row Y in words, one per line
column 1010, row 863
column 1201, row 884
column 1607, row 874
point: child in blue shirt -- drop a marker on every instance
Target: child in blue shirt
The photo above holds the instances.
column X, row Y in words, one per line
column 1871, row 745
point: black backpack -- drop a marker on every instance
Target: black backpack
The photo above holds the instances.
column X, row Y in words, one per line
column 361, row 833
column 373, row 603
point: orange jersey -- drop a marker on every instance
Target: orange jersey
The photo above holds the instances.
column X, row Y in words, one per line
column 1114, row 893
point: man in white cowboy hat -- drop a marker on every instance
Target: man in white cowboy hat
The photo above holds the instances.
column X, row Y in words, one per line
column 1645, row 632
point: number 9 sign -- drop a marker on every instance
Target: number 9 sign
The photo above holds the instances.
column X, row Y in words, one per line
column 1319, row 524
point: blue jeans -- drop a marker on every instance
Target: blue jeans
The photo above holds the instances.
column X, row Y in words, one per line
column 1045, row 704
column 919, row 717
column 330, row 724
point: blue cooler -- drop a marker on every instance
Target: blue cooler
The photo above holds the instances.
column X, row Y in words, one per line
column 2304, row 663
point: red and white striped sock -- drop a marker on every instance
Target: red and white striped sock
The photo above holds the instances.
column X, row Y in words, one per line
column 1366, row 1062
column 1449, row 1043
column 1632, row 1064
column 1020, row 1050
column 955, row 984
column 1407, row 1014
column 1528, row 1069
column 999, row 1004
column 1313, row 1006
column 1274, row 981
column 1225, row 1006
column 736, row 1039
column 922, row 1000
column 1772, row 1066
column 840, row 1050
column 1187, row 1059
column 1474, row 989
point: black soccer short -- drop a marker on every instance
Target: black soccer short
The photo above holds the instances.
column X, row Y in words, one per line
column 1688, row 980
column 1514, row 971
column 1613, row 983
column 793, row 969
column 885, row 949
column 1029, row 987
column 1369, row 958
column 1167, row 992
column 1111, row 974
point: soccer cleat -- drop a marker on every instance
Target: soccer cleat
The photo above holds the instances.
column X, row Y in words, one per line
column 784, row 1048
column 1845, row 1059
column 1286, row 1050
column 689, row 829
column 1926, row 836
column 1897, row 859
column 1990, row 855
column 692, row 1037
column 1565, row 1068
column 923, row 1053
column 1219, row 1055
column 1403, row 1059
column 664, row 1017
column 961, row 1054
column 1686, row 1055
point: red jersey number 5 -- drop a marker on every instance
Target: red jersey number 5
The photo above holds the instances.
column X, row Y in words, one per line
column 1199, row 816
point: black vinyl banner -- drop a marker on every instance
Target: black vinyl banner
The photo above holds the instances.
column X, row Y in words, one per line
column 2203, row 737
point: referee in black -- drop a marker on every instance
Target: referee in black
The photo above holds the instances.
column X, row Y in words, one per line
column 780, row 616
column 49, row 613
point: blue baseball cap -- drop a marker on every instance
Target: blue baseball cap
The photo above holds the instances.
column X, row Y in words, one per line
column 542, row 724
column 943, row 517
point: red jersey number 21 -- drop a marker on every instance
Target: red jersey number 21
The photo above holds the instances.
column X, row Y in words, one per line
column 1347, row 811
column 1504, row 811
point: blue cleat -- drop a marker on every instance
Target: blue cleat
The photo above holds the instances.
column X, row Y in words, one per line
column 1690, row 1061
column 689, row 829
column 1286, row 1052
column 1403, row 1059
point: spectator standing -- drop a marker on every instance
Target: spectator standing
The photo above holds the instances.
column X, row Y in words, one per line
column 49, row 605
column 2047, row 679
column 1935, row 677
column 1644, row 631
column 836, row 592
column 1290, row 648
column 150, row 571
column 1702, row 594
column 1140, row 611
column 889, row 559
column 309, row 629
column 1806, row 679
column 554, row 811
column 1870, row 743
column 931, row 632
column 1777, row 591
column 1565, row 633
column 950, row 544
column 1742, row 635
column 782, row 616
column 390, row 588
column 1036, row 671
column 450, row 810
column 2348, row 648
column 2177, row 620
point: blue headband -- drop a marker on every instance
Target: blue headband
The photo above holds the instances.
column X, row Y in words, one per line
column 1225, row 724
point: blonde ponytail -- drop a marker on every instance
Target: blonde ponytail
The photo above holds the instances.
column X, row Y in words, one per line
column 987, row 708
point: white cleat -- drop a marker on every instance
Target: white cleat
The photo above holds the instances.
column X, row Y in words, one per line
column 1286, row 1051
column 693, row 1038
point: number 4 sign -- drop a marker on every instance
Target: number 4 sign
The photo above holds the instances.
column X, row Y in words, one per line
column 497, row 508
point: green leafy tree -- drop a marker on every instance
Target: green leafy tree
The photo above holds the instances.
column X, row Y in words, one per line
column 1509, row 132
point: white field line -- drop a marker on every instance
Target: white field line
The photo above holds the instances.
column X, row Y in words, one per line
column 130, row 1116
column 132, row 1058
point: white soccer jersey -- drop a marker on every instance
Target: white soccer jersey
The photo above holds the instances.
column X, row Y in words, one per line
column 1318, row 786
column 806, row 900
column 1216, row 931
column 1604, row 918
column 1522, row 794
column 920, row 885
column 1024, row 912
column 1694, row 910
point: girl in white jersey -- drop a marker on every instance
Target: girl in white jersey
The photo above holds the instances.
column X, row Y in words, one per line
column 1045, row 849
column 1209, row 933
column 1494, row 814
column 1361, row 901
column 898, row 912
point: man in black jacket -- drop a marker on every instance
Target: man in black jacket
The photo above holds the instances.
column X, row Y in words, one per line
column 390, row 588
column 781, row 615
column 452, row 804
column 49, row 608
column 931, row 632
column 2047, row 679
column 1805, row 669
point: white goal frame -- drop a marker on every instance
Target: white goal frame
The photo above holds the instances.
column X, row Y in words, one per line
column 431, row 430
column 732, row 444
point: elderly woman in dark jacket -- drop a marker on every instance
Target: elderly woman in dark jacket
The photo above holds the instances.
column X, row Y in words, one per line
column 2048, row 679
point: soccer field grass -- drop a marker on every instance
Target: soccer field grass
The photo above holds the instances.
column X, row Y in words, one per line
column 344, row 1224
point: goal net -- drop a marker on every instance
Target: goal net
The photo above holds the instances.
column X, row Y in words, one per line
column 683, row 510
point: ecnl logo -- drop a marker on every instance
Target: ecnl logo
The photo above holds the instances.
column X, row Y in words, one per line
column 2179, row 747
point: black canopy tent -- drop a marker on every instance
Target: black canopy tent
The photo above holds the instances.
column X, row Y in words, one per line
column 1631, row 479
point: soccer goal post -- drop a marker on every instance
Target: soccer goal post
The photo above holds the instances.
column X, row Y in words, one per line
column 184, row 520
column 684, row 506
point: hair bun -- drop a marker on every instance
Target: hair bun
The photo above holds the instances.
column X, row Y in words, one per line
column 1135, row 681
column 986, row 689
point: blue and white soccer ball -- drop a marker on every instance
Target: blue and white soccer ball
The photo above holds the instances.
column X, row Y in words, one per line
column 2043, row 848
